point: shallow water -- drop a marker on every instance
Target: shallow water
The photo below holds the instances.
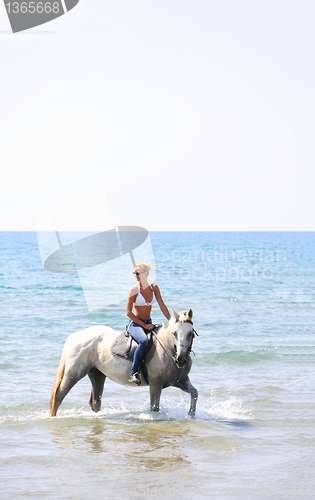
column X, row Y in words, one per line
column 253, row 436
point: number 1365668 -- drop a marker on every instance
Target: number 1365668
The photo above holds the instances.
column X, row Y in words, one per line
column 32, row 7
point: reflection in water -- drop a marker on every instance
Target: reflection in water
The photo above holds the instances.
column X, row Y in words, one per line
column 96, row 440
column 158, row 444
column 122, row 452
column 141, row 444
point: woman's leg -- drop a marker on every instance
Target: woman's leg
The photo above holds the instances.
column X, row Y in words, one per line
column 139, row 336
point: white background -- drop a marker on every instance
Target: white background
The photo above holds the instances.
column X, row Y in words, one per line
column 190, row 114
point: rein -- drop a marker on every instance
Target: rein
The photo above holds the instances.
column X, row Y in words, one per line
column 164, row 347
column 168, row 351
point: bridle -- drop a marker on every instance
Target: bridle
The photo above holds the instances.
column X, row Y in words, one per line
column 191, row 323
column 194, row 335
column 190, row 347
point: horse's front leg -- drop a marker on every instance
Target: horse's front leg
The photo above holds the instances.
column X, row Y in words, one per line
column 97, row 380
column 155, row 396
column 187, row 386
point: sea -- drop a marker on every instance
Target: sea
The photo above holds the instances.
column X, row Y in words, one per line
column 252, row 296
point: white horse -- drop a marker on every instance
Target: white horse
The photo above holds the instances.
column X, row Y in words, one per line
column 88, row 352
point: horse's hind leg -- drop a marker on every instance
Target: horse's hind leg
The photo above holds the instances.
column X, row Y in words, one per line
column 187, row 386
column 69, row 380
column 97, row 380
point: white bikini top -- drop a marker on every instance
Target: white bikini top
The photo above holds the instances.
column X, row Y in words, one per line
column 140, row 300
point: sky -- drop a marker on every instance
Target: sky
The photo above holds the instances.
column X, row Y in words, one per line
column 189, row 115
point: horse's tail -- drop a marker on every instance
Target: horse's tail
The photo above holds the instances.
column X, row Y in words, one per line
column 57, row 382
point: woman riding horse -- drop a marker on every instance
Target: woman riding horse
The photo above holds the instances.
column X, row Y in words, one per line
column 141, row 297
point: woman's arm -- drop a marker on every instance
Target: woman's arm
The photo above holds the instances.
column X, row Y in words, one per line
column 160, row 301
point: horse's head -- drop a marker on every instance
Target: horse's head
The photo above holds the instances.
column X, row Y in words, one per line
column 183, row 334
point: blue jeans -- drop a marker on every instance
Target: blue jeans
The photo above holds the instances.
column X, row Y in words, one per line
column 138, row 334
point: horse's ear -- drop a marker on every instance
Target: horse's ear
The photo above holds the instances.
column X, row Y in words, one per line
column 190, row 314
column 174, row 314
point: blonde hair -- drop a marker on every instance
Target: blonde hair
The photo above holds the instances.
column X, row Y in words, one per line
column 143, row 266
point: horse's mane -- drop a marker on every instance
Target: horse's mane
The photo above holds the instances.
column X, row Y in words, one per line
column 167, row 325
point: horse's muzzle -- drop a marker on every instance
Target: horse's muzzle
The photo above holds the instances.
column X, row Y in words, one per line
column 180, row 359
column 180, row 364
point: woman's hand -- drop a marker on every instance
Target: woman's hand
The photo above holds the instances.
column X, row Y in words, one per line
column 149, row 326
